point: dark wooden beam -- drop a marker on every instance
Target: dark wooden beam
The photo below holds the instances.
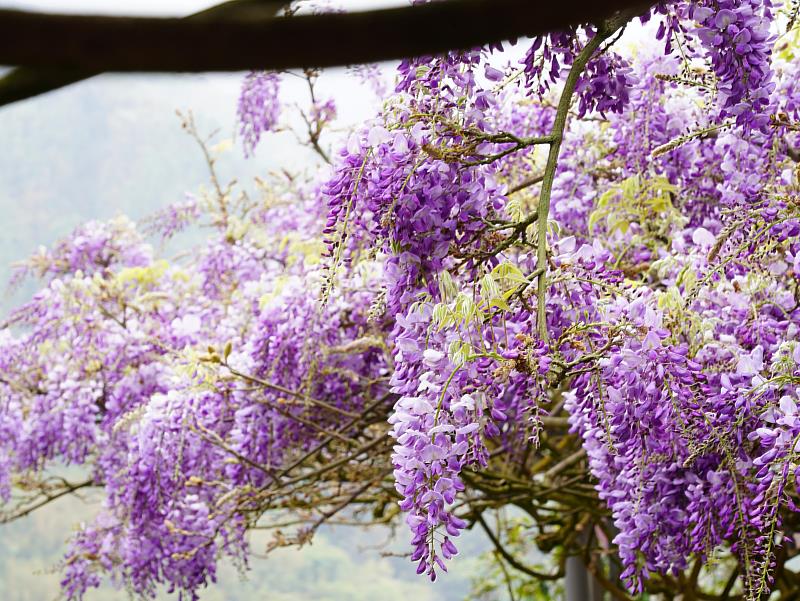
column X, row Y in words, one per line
column 250, row 41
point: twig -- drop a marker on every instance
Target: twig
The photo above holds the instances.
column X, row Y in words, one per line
column 526, row 184
column 328, row 440
column 289, row 392
column 188, row 123
column 512, row 561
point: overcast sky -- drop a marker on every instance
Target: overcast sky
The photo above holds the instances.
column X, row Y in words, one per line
column 152, row 7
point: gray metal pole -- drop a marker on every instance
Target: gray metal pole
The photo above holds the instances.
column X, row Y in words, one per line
column 598, row 593
column 576, row 580
column 580, row 584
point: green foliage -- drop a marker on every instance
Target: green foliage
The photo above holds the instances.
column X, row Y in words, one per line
column 643, row 208
column 635, row 200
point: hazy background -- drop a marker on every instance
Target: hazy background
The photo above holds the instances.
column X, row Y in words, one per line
column 112, row 145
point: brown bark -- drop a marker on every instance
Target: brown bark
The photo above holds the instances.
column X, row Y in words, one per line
column 255, row 40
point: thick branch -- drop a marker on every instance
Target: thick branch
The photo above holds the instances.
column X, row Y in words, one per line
column 611, row 587
column 565, row 463
column 536, row 179
column 25, row 82
column 253, row 41
column 557, row 134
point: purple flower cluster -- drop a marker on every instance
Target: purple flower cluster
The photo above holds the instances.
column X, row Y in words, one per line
column 259, row 107
column 603, row 87
column 736, row 35
column 397, row 188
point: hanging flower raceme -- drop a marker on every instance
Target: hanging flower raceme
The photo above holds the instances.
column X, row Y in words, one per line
column 259, row 107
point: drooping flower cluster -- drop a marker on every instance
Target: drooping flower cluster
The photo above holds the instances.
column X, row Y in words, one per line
column 259, row 107
column 603, row 87
column 737, row 36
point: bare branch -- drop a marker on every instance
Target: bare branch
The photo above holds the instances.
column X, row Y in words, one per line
column 44, row 498
column 512, row 561
column 526, row 184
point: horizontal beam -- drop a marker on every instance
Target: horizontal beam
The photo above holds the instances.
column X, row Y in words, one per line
column 24, row 82
column 95, row 44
